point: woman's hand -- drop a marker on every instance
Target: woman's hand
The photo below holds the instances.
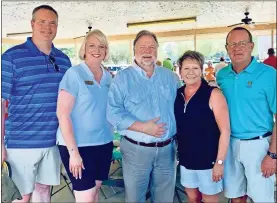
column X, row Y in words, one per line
column 218, row 170
column 76, row 164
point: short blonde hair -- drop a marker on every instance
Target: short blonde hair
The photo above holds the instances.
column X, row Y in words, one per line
column 101, row 37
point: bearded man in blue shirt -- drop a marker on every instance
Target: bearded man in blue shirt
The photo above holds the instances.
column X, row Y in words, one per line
column 141, row 107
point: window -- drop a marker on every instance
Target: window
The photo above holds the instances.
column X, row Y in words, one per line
column 212, row 46
column 262, row 40
column 173, row 48
column 119, row 53
column 70, row 51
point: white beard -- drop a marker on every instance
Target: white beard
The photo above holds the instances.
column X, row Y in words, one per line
column 147, row 63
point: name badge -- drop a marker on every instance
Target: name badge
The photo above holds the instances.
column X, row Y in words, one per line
column 89, row 82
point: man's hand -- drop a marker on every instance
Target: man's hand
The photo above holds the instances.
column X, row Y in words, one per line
column 152, row 128
column 268, row 166
column 4, row 154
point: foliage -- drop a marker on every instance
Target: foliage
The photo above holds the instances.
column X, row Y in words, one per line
column 119, row 54
column 70, row 52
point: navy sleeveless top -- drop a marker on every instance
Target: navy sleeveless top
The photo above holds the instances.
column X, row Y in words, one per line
column 197, row 130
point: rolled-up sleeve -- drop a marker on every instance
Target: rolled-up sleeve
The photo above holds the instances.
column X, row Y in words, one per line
column 117, row 115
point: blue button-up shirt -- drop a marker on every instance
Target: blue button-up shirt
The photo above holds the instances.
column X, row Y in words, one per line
column 135, row 97
column 251, row 97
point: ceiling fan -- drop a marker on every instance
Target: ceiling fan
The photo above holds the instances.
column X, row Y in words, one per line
column 247, row 21
column 89, row 29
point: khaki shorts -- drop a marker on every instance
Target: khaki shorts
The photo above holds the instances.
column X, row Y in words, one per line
column 30, row 166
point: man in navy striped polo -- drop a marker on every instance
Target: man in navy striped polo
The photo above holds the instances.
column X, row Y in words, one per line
column 31, row 73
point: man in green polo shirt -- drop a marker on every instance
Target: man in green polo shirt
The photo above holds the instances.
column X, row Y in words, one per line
column 167, row 63
column 250, row 90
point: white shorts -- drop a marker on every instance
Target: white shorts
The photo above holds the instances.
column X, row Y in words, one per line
column 201, row 179
column 30, row 166
column 242, row 174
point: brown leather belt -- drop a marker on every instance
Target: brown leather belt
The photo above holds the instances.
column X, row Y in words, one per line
column 152, row 144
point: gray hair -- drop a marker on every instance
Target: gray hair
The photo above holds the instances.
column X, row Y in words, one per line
column 193, row 55
column 145, row 33
column 101, row 37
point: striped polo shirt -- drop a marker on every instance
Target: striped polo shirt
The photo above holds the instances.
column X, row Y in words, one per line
column 30, row 82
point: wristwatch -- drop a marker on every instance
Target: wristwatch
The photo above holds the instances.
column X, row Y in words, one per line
column 220, row 162
column 272, row 155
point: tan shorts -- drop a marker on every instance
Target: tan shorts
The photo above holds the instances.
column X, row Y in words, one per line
column 30, row 166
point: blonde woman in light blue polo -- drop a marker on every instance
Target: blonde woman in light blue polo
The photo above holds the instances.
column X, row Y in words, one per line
column 84, row 135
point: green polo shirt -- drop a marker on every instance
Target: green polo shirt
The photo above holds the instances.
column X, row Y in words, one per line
column 251, row 98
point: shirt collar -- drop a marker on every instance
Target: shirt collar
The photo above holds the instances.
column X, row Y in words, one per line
column 141, row 71
column 249, row 69
column 86, row 68
column 33, row 48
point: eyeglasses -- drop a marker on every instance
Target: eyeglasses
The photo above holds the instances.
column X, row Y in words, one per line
column 52, row 61
column 241, row 44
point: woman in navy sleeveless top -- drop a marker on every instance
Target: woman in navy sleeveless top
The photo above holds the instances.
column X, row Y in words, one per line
column 203, row 131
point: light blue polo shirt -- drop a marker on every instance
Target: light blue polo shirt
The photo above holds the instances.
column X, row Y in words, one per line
column 251, row 98
column 88, row 115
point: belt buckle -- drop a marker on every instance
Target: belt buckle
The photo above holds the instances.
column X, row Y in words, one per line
column 156, row 144
column 261, row 137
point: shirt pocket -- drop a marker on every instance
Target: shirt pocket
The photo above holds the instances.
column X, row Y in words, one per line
column 165, row 93
column 137, row 98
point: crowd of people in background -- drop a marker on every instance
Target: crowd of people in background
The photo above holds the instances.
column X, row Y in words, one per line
column 220, row 120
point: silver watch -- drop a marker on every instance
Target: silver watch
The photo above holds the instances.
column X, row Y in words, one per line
column 220, row 162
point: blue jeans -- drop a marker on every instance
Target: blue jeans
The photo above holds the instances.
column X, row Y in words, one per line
column 148, row 167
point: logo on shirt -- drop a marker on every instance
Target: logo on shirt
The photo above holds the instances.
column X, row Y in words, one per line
column 89, row 82
column 249, row 84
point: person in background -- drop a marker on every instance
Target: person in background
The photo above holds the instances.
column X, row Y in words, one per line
column 250, row 90
column 141, row 108
column 31, row 73
column 203, row 131
column 177, row 72
column 167, row 63
column 84, row 135
column 220, row 65
column 209, row 74
column 271, row 60
column 159, row 63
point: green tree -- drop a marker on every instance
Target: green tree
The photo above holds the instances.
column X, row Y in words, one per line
column 119, row 54
column 70, row 52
